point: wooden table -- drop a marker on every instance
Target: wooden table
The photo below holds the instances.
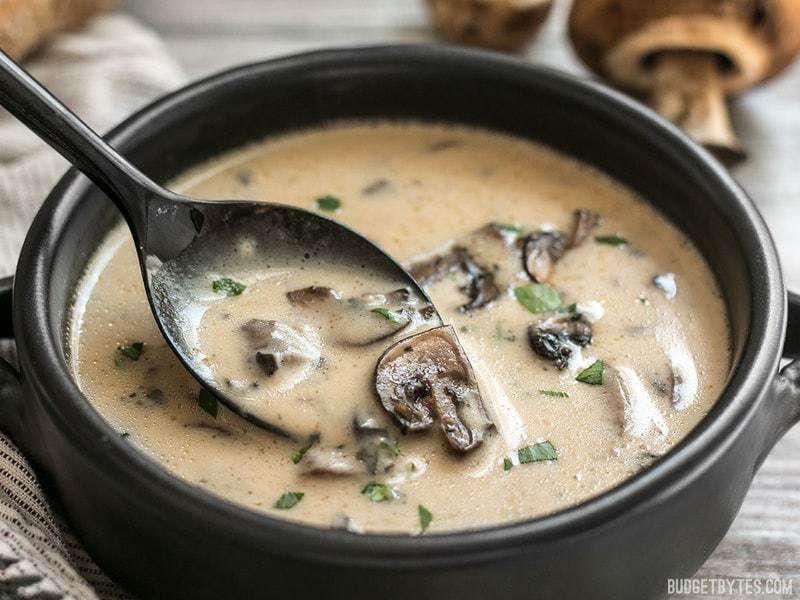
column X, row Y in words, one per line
column 209, row 35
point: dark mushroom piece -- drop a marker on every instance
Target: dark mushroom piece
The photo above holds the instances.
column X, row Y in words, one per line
column 552, row 339
column 313, row 295
column 435, row 268
column 395, row 298
column 539, row 251
column 370, row 317
column 482, row 288
column 277, row 345
column 376, row 448
column 328, row 461
column 427, row 377
column 583, row 223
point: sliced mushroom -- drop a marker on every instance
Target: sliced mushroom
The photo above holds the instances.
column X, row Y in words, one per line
column 482, row 288
column 641, row 418
column 549, row 345
column 582, row 224
column 556, row 339
column 370, row 317
column 314, row 295
column 328, row 461
column 540, row 250
column 377, row 450
column 394, row 298
column 427, row 377
column 278, row 345
column 436, row 267
column 684, row 378
column 268, row 362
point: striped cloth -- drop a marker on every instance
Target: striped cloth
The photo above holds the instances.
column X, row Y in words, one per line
column 104, row 73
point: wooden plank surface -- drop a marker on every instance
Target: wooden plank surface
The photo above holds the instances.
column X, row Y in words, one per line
column 208, row 35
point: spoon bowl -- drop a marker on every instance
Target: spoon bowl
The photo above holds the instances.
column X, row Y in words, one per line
column 182, row 243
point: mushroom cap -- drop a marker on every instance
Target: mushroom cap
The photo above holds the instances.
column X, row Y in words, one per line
column 496, row 24
column 755, row 39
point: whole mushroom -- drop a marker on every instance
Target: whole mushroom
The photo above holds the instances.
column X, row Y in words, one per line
column 688, row 56
column 506, row 25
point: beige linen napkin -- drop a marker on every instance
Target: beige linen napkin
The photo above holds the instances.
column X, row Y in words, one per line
column 104, row 72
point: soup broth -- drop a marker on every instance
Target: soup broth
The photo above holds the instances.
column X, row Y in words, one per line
column 588, row 337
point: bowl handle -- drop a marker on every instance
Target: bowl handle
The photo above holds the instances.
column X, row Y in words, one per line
column 10, row 381
column 788, row 382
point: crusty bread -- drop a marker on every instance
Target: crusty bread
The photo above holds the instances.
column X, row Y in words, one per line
column 25, row 24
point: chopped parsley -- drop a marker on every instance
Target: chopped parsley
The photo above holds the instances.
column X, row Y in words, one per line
column 132, row 352
column 571, row 309
column 329, row 203
column 395, row 316
column 593, row 375
column 611, row 240
column 228, row 287
column 298, row 454
column 288, row 500
column 509, row 228
column 537, row 453
column 554, row 393
column 208, row 402
column 390, row 445
column 378, row 492
column 425, row 517
column 507, row 464
column 537, row 297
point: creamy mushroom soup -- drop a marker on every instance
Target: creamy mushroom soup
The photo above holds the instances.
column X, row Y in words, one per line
column 583, row 337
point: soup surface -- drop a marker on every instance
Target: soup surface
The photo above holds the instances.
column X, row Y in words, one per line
column 588, row 337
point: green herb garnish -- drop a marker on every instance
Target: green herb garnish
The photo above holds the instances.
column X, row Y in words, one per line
column 208, row 402
column 395, row 316
column 611, row 240
column 593, row 375
column 378, row 492
column 131, row 352
column 228, row 287
column 288, row 500
column 298, row 454
column 554, row 393
column 571, row 309
column 537, row 453
column 425, row 517
column 538, row 297
column 329, row 203
column 390, row 445
column 509, row 228
column 507, row 464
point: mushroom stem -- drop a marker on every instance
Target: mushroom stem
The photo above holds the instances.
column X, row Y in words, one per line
column 689, row 92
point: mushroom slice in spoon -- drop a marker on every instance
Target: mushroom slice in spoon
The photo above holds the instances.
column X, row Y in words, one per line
column 427, row 377
column 313, row 295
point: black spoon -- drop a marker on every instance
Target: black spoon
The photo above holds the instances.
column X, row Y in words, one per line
column 180, row 241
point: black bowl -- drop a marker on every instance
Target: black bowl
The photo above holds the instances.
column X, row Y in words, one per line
column 163, row 538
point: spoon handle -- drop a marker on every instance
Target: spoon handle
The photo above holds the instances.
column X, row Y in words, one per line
column 47, row 117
